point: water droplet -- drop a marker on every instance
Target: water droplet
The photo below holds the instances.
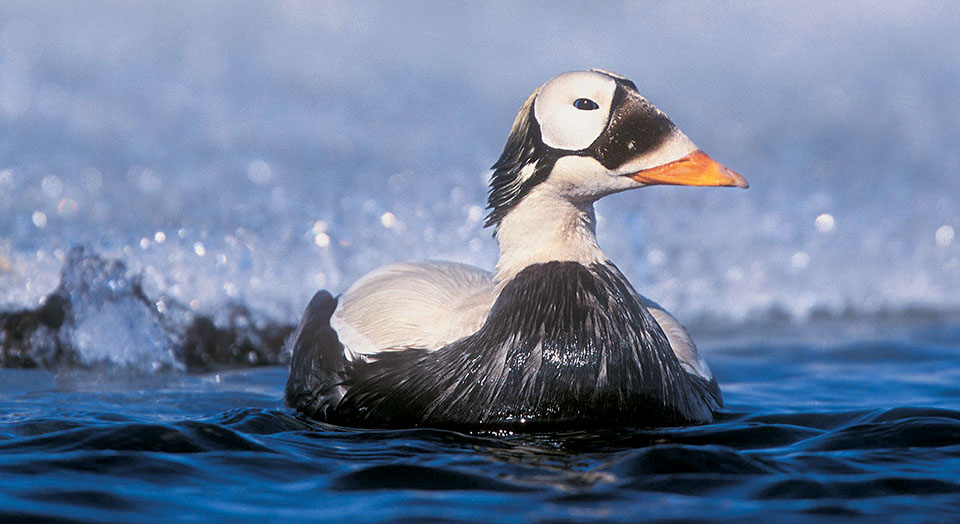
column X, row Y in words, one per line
column 945, row 235
column 52, row 186
column 656, row 257
column 39, row 219
column 388, row 220
column 92, row 180
column 259, row 172
column 144, row 243
column 735, row 274
column 68, row 207
column 199, row 249
column 825, row 223
column 150, row 181
column 160, row 237
column 475, row 213
column 800, row 260
column 321, row 239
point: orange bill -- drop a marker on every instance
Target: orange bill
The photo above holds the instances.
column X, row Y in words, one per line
column 695, row 169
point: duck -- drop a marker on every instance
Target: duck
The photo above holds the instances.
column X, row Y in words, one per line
column 555, row 336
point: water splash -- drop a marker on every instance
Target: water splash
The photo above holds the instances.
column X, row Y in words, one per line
column 99, row 317
column 206, row 162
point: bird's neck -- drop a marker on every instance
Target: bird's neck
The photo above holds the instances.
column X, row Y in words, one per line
column 545, row 227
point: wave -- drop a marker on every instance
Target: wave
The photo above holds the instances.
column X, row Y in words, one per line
column 100, row 317
column 865, row 464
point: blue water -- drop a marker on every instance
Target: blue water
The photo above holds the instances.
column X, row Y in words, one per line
column 835, row 431
column 186, row 176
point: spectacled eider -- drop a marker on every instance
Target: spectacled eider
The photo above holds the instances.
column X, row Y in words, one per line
column 556, row 335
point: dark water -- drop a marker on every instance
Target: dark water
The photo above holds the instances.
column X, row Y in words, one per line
column 825, row 431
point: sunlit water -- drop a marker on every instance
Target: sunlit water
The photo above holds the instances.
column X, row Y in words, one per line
column 176, row 183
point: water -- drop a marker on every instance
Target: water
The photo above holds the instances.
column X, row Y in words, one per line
column 175, row 183
column 834, row 432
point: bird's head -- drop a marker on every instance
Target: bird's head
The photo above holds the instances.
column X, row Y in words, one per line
column 586, row 134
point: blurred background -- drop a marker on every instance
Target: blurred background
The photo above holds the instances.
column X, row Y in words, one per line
column 252, row 152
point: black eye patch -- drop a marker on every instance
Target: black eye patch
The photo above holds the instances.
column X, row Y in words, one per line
column 585, row 104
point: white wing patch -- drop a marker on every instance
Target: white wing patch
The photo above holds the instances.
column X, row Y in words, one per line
column 420, row 305
column 680, row 341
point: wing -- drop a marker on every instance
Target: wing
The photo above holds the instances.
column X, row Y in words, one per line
column 317, row 364
column 680, row 341
column 424, row 305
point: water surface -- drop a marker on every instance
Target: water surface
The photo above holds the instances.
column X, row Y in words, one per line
column 851, row 431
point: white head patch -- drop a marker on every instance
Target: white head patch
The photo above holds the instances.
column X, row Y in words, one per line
column 562, row 124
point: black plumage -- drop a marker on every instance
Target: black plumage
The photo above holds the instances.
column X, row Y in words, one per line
column 524, row 147
column 635, row 127
column 317, row 364
column 564, row 344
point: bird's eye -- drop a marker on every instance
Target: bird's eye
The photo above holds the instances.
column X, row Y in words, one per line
column 585, row 104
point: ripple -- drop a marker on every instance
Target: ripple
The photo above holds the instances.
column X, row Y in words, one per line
column 676, row 459
column 410, row 477
column 117, row 459
column 926, row 432
column 883, row 486
column 184, row 437
column 83, row 498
